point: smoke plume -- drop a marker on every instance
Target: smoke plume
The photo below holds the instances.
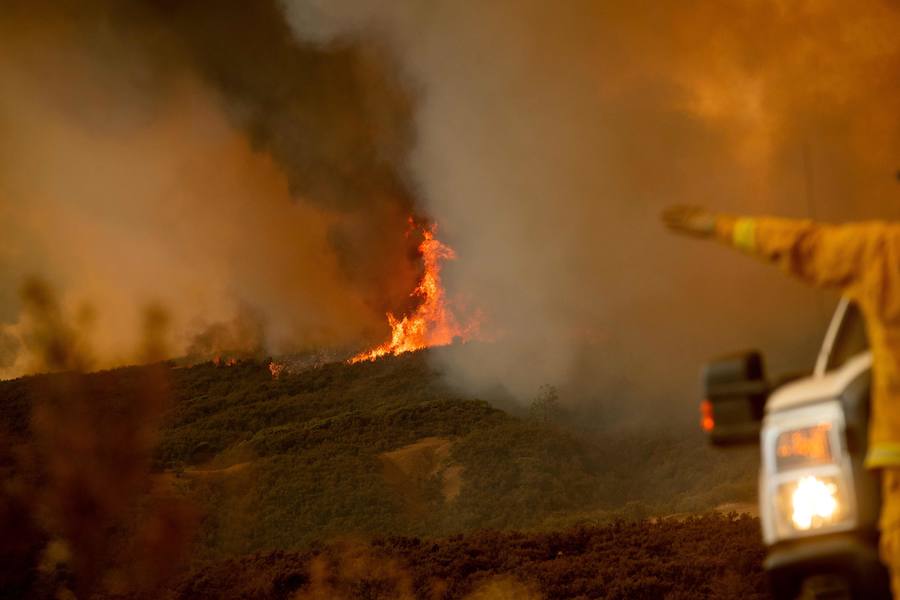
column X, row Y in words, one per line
column 263, row 160
column 157, row 152
column 550, row 135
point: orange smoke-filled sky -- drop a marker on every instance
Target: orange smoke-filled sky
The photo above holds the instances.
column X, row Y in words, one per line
column 549, row 137
column 127, row 179
column 227, row 162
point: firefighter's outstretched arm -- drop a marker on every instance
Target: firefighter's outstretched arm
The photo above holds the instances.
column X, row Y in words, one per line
column 825, row 255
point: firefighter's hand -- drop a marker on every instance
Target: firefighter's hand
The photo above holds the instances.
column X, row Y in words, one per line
column 690, row 220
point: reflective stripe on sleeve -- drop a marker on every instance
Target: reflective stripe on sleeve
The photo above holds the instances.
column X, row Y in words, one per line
column 883, row 455
column 744, row 235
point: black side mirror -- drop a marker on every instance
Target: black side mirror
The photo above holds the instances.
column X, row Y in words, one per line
column 736, row 392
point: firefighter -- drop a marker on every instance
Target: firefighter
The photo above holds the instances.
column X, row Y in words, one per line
column 862, row 261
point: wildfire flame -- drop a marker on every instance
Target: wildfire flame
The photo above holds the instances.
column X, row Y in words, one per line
column 432, row 323
column 275, row 368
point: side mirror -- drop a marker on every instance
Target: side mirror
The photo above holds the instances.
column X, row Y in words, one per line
column 736, row 392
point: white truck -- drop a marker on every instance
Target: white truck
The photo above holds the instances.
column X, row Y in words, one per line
column 818, row 505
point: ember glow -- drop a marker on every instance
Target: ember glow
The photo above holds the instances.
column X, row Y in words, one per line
column 275, row 368
column 432, row 323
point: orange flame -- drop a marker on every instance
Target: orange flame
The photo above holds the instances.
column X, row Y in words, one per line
column 432, row 323
column 275, row 368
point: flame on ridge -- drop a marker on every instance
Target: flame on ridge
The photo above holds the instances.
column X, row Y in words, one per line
column 432, row 323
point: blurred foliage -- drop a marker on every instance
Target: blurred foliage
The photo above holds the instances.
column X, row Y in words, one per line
column 711, row 556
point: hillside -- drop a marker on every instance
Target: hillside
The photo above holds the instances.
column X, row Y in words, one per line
column 263, row 464
column 324, row 454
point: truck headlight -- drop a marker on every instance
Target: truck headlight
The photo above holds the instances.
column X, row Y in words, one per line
column 811, row 502
column 806, row 480
column 814, row 502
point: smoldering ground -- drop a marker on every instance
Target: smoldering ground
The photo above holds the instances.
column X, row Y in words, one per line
column 280, row 148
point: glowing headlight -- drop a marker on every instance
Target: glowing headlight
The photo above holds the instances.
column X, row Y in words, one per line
column 812, row 502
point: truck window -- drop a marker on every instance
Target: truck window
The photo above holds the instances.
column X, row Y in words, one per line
column 851, row 338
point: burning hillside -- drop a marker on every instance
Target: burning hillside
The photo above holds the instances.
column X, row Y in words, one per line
column 282, row 145
column 432, row 322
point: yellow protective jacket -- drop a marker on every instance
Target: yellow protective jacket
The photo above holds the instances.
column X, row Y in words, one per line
column 862, row 260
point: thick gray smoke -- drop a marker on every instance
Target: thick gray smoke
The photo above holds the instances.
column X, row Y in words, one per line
column 548, row 136
column 251, row 167
column 203, row 159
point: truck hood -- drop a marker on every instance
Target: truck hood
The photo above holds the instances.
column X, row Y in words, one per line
column 811, row 389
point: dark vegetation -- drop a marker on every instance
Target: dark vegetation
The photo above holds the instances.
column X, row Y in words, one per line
column 710, row 556
column 314, row 441
column 285, row 464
